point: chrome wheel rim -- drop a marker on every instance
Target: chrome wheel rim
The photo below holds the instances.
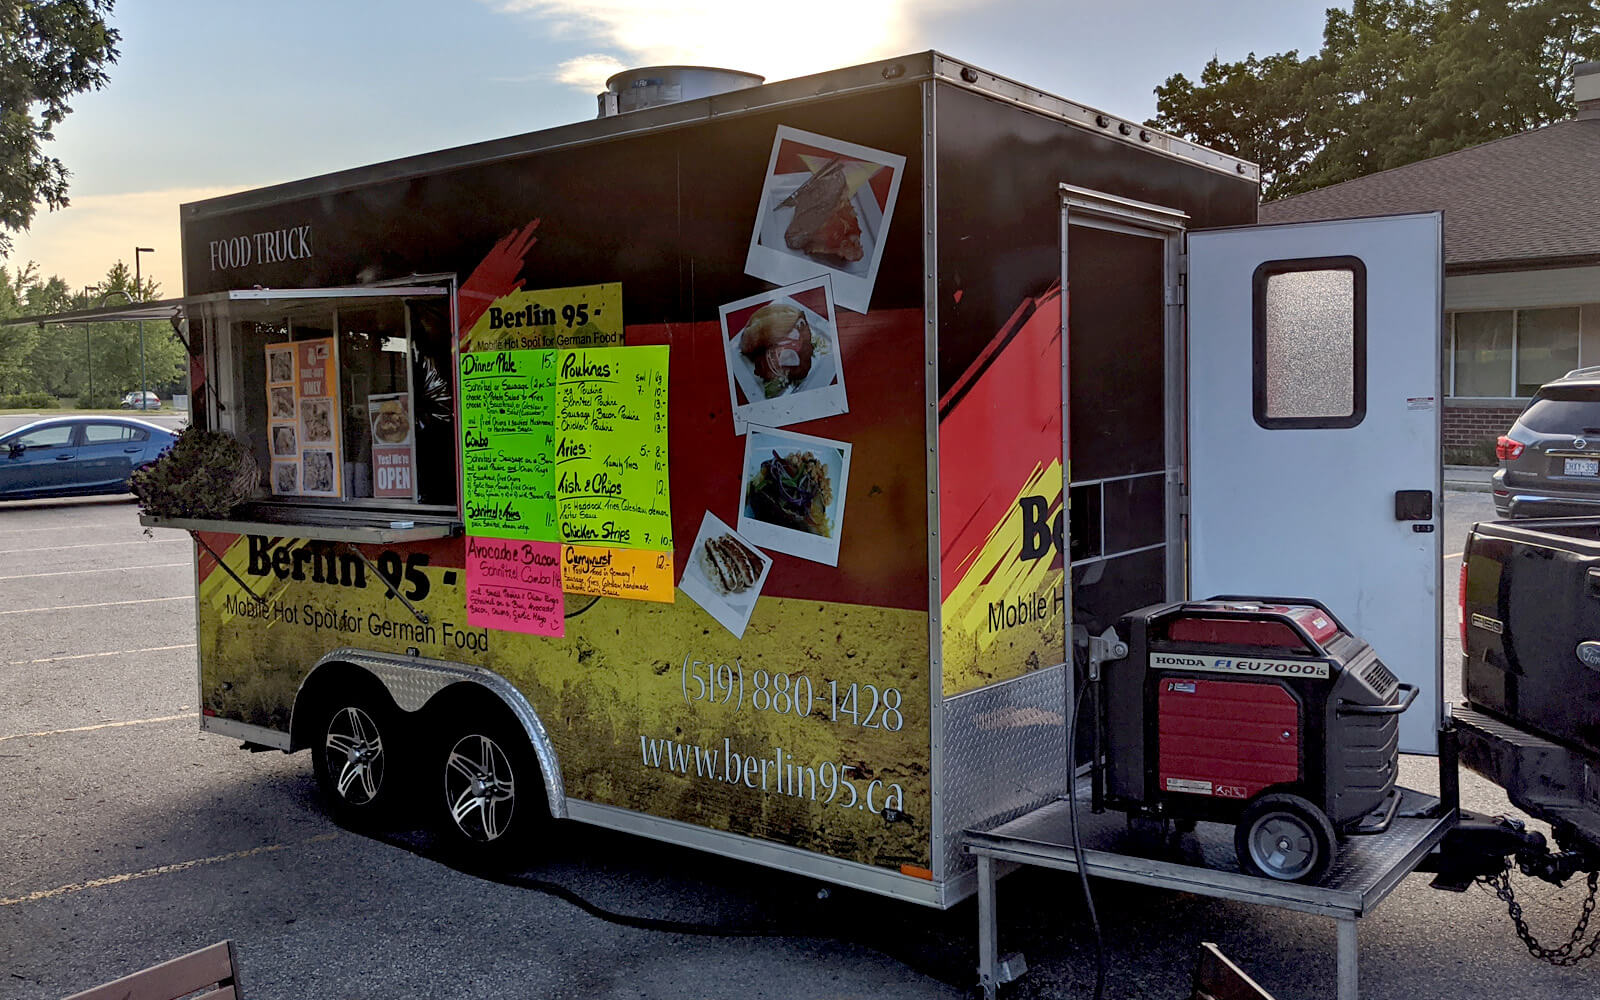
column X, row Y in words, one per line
column 354, row 749
column 479, row 788
column 1283, row 846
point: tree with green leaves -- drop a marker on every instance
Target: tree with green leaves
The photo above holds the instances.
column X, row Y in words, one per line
column 50, row 51
column 1395, row 81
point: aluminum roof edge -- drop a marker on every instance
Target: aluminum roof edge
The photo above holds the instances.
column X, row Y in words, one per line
column 963, row 74
column 898, row 71
column 161, row 309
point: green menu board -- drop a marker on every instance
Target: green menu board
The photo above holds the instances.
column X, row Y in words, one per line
column 567, row 446
column 508, row 444
column 611, row 447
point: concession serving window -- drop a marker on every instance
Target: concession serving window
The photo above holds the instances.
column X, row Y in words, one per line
column 345, row 395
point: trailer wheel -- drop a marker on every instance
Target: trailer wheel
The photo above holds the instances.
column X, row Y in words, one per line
column 491, row 793
column 354, row 758
column 1284, row 837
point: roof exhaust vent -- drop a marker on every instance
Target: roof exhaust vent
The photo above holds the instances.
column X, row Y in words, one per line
column 652, row 86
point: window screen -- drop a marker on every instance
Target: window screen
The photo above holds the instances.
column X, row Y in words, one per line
column 1310, row 343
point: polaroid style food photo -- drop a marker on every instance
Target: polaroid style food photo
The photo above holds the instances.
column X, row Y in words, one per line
column 792, row 497
column 725, row 574
column 825, row 209
column 782, row 355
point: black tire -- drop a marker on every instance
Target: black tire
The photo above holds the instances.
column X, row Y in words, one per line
column 489, row 792
column 354, row 753
column 1286, row 838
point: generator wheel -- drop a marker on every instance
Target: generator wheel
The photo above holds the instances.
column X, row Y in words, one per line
column 1285, row 837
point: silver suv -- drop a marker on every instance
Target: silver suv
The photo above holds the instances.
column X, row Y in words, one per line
column 1550, row 458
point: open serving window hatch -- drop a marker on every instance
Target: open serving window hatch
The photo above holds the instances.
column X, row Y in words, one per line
column 344, row 396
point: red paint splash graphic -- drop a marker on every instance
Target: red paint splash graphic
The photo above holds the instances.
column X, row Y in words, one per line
column 495, row 276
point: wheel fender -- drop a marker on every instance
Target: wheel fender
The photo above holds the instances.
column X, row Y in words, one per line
column 412, row 681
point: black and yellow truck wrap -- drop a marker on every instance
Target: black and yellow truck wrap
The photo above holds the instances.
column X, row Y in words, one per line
column 822, row 322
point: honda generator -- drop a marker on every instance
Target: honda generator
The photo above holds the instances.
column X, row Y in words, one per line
column 1265, row 713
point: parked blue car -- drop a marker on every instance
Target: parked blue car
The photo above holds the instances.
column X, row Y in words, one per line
column 77, row 456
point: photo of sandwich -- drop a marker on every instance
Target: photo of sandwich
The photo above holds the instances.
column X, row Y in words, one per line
column 285, row 477
column 793, row 493
column 783, row 356
column 391, row 418
column 725, row 574
column 283, row 445
column 281, row 402
column 824, row 209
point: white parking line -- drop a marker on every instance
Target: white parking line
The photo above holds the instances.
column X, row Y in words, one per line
column 1452, row 555
column 69, row 527
column 96, row 545
column 102, row 604
column 101, row 725
column 100, row 883
column 108, row 569
column 90, row 656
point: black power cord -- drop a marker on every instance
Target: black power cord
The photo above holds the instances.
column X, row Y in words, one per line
column 460, row 863
column 1081, row 688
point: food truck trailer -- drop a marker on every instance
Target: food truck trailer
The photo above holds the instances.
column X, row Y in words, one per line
column 719, row 471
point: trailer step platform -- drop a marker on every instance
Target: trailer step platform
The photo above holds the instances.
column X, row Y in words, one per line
column 1203, row 863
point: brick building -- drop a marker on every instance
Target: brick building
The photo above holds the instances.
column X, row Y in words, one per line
column 1522, row 260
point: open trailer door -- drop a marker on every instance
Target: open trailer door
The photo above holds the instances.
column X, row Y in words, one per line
column 1313, row 431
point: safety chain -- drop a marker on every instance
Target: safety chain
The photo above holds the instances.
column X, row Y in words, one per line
column 1564, row 955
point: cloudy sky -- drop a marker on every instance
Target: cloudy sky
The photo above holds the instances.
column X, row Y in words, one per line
column 213, row 97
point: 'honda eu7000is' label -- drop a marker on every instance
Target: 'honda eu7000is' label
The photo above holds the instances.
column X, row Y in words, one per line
column 1317, row 669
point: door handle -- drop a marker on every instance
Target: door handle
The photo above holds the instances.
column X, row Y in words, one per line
column 62, row 458
column 130, row 451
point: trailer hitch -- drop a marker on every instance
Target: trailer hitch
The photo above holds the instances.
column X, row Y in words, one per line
column 1481, row 849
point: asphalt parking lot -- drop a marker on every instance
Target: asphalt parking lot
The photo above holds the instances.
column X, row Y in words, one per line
column 127, row 837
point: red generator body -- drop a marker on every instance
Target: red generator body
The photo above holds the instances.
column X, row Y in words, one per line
column 1264, row 713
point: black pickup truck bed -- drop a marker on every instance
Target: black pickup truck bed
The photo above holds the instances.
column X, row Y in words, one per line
column 1530, row 606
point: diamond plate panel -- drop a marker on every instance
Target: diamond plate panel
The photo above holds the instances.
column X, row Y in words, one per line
column 1005, row 754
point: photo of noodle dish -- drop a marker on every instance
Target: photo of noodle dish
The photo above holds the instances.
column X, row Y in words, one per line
column 792, row 498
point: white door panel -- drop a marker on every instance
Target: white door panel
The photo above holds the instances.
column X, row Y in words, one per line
column 1296, row 450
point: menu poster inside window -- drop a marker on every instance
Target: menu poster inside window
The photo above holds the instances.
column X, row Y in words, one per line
column 393, row 445
column 303, row 418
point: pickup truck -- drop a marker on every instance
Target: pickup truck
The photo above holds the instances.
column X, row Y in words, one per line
column 1530, row 640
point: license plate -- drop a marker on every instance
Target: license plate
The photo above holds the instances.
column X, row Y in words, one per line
column 1583, row 467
